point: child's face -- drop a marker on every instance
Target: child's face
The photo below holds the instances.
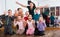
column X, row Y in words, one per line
column 27, row 13
column 30, row 17
column 20, row 10
column 19, row 18
column 36, row 11
column 9, row 13
column 41, row 19
column 16, row 13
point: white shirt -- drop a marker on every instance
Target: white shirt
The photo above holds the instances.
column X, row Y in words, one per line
column 30, row 25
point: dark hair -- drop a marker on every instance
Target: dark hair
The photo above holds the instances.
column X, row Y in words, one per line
column 18, row 9
column 33, row 4
column 29, row 2
column 47, row 10
column 9, row 10
column 36, row 8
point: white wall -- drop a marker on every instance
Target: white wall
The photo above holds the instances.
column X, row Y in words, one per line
column 2, row 6
column 11, row 4
column 49, row 2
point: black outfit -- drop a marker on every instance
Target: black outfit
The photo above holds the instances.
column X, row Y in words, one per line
column 36, row 32
column 41, row 33
column 8, row 24
column 31, row 11
column 26, row 29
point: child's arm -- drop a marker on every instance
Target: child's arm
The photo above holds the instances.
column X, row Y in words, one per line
column 33, row 22
column 44, row 24
column 37, row 24
column 24, row 23
column 15, row 22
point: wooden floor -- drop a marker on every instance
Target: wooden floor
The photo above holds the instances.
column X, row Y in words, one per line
column 50, row 32
column 47, row 29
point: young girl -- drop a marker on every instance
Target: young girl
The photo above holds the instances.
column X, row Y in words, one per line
column 20, row 24
column 26, row 15
column 41, row 26
column 31, row 25
column 20, row 12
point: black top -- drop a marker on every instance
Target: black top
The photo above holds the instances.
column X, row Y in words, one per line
column 31, row 11
column 7, row 19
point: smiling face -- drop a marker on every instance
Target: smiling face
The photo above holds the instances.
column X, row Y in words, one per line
column 41, row 19
column 20, row 10
column 36, row 10
column 30, row 17
column 19, row 18
column 27, row 13
column 31, row 4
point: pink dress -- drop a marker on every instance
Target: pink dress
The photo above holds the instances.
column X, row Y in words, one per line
column 31, row 28
column 21, row 27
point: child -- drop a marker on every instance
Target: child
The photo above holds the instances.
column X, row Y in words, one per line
column 36, row 15
column 56, row 22
column 20, row 12
column 47, row 21
column 8, row 23
column 31, row 24
column 36, row 18
column 52, row 18
column 20, row 24
column 41, row 26
column 26, row 18
column 26, row 15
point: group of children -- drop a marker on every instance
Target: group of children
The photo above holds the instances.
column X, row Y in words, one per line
column 24, row 23
column 32, row 22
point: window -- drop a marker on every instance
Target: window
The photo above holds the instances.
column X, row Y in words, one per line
column 57, row 11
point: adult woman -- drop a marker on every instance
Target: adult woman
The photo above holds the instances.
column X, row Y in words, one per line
column 31, row 7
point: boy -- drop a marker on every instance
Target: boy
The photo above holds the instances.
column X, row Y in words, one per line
column 8, row 23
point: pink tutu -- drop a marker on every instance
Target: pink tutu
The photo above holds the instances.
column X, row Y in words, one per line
column 30, row 31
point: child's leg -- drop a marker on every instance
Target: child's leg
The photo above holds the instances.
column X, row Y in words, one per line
column 10, row 30
column 18, row 31
column 25, row 29
column 41, row 33
column 27, row 32
column 5, row 30
column 30, row 31
column 21, row 31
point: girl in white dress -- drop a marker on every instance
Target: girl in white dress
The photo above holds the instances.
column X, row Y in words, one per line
column 20, row 23
column 31, row 26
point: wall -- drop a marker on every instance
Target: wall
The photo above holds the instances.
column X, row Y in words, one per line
column 2, row 6
column 11, row 4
